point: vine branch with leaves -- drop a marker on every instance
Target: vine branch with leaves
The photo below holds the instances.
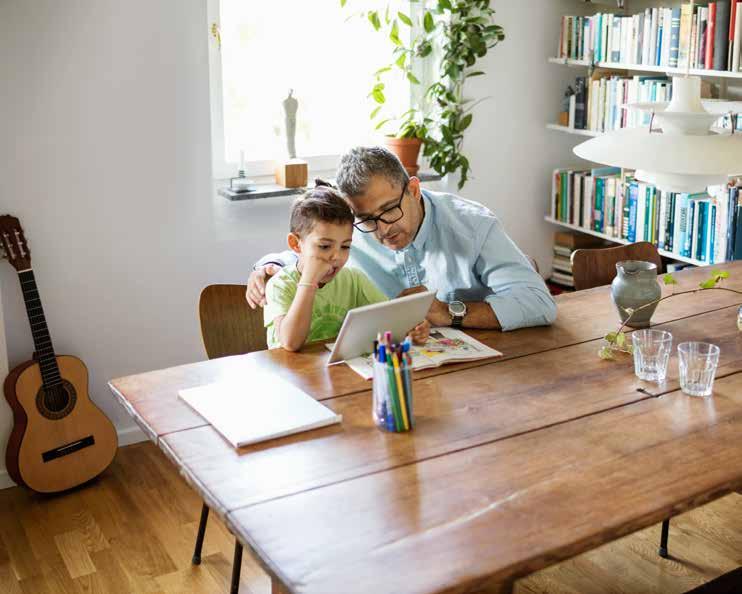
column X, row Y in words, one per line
column 616, row 341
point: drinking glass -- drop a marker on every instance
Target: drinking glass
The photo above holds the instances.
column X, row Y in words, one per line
column 651, row 354
column 698, row 362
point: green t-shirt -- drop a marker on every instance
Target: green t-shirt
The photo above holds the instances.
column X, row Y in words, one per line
column 350, row 288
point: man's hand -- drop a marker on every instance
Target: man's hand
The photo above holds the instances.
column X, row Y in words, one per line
column 255, row 293
column 438, row 314
column 420, row 333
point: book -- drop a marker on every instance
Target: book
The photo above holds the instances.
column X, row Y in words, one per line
column 686, row 23
column 737, row 253
column 674, row 38
column 562, row 279
column 721, row 35
column 710, row 35
column 445, row 345
column 562, row 264
column 261, row 407
column 737, row 37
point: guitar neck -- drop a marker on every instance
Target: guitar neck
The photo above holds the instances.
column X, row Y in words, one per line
column 39, row 330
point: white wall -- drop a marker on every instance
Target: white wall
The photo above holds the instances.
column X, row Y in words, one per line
column 105, row 158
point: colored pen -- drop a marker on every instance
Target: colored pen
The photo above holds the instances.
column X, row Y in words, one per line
column 400, row 391
column 382, row 354
column 407, row 378
column 393, row 395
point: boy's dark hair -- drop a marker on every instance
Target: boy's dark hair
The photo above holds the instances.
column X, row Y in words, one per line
column 324, row 204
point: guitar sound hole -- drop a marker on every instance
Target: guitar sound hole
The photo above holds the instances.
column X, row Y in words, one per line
column 56, row 402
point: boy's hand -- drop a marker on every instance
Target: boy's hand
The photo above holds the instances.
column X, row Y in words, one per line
column 314, row 269
column 255, row 293
column 421, row 332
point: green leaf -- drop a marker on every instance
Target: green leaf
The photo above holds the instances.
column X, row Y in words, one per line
column 620, row 339
column 374, row 113
column 669, row 279
column 428, row 22
column 373, row 18
column 382, row 70
column 405, row 19
column 401, row 60
column 342, row 3
column 465, row 122
column 475, row 73
column 611, row 337
column 708, row 284
column 412, row 78
column 380, row 124
column 444, row 4
column 394, row 34
column 722, row 274
column 606, row 353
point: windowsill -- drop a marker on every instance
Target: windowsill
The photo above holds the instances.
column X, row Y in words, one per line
column 265, row 186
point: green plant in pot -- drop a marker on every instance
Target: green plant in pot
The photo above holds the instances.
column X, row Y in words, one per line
column 446, row 40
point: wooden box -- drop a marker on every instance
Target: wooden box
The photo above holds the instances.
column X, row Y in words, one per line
column 292, row 174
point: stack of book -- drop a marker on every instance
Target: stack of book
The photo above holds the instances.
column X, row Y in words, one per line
column 704, row 227
column 599, row 101
column 565, row 243
column 710, row 37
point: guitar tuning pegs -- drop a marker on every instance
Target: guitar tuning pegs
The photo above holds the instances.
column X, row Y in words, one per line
column 20, row 244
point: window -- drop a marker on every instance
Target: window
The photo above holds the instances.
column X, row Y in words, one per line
column 321, row 51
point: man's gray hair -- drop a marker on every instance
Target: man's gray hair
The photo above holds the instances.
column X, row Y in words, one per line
column 361, row 163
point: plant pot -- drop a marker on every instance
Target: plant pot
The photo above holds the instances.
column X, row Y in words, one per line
column 407, row 149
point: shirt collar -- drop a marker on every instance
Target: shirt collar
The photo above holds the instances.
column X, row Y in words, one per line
column 424, row 230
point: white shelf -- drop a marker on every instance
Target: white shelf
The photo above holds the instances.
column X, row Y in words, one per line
column 645, row 68
column 667, row 254
column 569, row 130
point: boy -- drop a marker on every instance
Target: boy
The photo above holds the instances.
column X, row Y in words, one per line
column 308, row 301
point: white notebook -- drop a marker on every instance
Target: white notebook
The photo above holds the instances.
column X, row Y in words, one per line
column 258, row 408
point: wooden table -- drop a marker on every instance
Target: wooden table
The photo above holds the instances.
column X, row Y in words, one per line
column 514, row 465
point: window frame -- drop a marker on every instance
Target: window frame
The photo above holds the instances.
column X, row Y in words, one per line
column 221, row 168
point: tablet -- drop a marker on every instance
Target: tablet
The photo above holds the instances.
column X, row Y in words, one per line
column 362, row 324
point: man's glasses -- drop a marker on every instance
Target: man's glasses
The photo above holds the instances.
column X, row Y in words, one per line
column 388, row 216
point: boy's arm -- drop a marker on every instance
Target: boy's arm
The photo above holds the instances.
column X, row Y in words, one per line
column 293, row 328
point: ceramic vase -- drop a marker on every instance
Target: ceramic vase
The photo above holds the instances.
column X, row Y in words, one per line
column 635, row 285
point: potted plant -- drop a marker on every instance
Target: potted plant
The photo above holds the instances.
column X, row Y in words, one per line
column 447, row 38
column 408, row 140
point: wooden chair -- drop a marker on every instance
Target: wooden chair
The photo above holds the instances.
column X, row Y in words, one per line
column 597, row 267
column 229, row 326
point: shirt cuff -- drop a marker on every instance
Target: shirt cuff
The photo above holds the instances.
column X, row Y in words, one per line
column 508, row 311
column 264, row 264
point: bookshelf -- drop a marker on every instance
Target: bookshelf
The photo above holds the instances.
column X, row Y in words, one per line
column 645, row 68
column 610, row 238
column 722, row 80
column 576, row 131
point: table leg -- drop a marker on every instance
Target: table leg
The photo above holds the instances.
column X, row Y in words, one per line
column 277, row 587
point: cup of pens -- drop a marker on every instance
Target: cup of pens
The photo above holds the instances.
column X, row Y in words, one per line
column 392, row 385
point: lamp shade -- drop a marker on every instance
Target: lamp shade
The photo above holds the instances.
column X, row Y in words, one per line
column 679, row 153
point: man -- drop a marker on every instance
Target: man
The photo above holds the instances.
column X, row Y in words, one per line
column 406, row 237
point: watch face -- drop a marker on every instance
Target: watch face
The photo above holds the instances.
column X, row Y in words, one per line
column 457, row 308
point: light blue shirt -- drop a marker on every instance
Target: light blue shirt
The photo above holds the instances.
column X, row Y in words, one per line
column 462, row 252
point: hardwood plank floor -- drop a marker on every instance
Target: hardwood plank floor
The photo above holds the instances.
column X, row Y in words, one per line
column 133, row 530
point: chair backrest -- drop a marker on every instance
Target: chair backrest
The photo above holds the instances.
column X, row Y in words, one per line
column 229, row 326
column 593, row 268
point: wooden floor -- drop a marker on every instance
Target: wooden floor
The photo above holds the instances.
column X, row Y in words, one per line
column 133, row 530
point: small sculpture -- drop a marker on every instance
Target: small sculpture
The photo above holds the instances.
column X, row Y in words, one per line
column 290, row 107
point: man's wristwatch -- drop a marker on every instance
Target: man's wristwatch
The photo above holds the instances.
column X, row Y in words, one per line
column 457, row 311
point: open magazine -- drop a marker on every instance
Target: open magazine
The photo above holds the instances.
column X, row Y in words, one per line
column 445, row 345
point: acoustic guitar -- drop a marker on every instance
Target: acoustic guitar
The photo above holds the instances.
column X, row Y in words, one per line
column 60, row 439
